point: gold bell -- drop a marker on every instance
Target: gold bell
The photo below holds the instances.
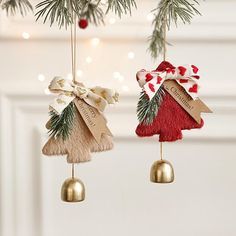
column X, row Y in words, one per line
column 162, row 172
column 73, row 189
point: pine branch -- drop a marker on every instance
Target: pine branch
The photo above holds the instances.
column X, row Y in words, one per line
column 147, row 109
column 61, row 125
column 121, row 6
column 156, row 43
column 58, row 11
column 13, row 6
column 93, row 13
column 61, row 11
column 169, row 11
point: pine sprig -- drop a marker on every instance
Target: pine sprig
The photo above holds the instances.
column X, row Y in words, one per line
column 156, row 42
column 121, row 6
column 169, row 11
column 93, row 13
column 61, row 11
column 61, row 125
column 13, row 6
column 147, row 109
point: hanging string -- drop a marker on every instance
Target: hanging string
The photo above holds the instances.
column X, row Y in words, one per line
column 75, row 48
column 73, row 171
column 164, row 58
column 164, row 36
column 161, row 150
column 72, row 50
column 73, row 37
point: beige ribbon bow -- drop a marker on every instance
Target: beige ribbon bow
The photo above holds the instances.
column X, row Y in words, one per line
column 67, row 90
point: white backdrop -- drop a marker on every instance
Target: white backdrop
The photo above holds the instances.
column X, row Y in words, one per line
column 120, row 199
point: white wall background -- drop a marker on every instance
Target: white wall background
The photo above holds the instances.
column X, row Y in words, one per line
column 120, row 199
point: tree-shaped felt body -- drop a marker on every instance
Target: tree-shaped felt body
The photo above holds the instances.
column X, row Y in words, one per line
column 79, row 143
column 169, row 121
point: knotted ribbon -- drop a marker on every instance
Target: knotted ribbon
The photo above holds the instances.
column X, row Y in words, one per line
column 67, row 90
column 186, row 76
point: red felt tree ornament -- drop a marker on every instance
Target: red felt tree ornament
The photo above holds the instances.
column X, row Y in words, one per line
column 168, row 104
column 170, row 117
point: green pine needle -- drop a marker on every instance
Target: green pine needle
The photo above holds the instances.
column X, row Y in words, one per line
column 121, row 6
column 93, row 13
column 147, row 109
column 169, row 11
column 57, row 11
column 60, row 11
column 13, row 6
column 61, row 125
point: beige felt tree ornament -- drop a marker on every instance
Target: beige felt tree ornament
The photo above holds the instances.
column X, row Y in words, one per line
column 77, row 126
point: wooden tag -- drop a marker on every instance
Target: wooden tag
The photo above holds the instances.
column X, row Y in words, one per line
column 193, row 107
column 93, row 119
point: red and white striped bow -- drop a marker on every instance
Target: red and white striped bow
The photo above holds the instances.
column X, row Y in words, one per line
column 186, row 76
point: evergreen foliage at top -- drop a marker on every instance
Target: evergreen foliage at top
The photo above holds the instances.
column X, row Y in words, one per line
column 169, row 11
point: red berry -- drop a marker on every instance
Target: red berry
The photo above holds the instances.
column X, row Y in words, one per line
column 83, row 23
